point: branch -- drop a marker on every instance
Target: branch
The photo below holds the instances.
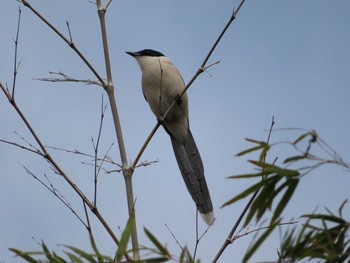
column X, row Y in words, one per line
column 65, row 39
column 15, row 66
column 56, row 193
column 110, row 91
column 97, row 170
column 62, row 77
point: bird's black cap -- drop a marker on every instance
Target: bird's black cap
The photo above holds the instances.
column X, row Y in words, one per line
column 146, row 52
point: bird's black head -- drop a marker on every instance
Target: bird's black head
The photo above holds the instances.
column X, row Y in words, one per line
column 146, row 52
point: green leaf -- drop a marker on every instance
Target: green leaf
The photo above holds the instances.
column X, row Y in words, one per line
column 325, row 217
column 271, row 168
column 185, row 256
column 253, row 149
column 258, row 243
column 301, row 137
column 74, row 258
column 155, row 241
column 292, row 185
column 57, row 258
column 125, row 237
column 294, row 158
column 244, row 194
column 240, row 176
column 263, row 200
column 153, row 260
column 24, row 255
column 82, row 253
column 94, row 247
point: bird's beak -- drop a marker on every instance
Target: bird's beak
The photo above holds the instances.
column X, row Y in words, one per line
column 133, row 54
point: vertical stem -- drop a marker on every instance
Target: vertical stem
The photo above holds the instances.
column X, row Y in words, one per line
column 110, row 91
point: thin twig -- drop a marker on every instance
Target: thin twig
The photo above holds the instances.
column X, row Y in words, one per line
column 199, row 238
column 53, row 190
column 103, row 109
column 260, row 228
column 62, row 77
column 176, row 240
column 22, row 147
column 70, row 33
column 15, row 66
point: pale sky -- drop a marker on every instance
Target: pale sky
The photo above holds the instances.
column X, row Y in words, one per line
column 287, row 59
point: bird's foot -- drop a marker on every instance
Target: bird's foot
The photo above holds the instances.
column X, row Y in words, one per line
column 160, row 120
column 178, row 99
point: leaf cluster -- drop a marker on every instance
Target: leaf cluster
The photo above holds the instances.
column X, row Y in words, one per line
column 277, row 185
column 323, row 236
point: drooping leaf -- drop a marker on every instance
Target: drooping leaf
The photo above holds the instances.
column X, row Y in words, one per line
column 259, row 241
column 125, row 237
column 294, row 158
column 47, row 252
column 292, row 185
column 82, row 254
column 300, row 138
column 23, row 255
column 155, row 241
column 261, row 145
column 240, row 176
column 244, row 194
column 73, row 257
column 94, row 247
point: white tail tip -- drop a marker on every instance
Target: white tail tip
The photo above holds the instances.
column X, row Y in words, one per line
column 208, row 218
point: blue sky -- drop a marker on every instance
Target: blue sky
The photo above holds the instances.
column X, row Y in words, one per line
column 288, row 59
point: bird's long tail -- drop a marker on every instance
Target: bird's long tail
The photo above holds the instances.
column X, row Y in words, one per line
column 191, row 167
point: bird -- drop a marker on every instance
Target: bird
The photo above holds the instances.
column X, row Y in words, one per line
column 162, row 84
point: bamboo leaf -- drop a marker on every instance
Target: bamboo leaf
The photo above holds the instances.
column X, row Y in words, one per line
column 94, row 247
column 271, row 168
column 258, row 243
column 301, row 137
column 240, row 176
column 23, row 255
column 244, row 194
column 153, row 260
column 82, row 254
column 125, row 237
column 294, row 158
column 325, row 217
column 74, row 258
column 292, row 185
column 155, row 241
column 253, row 149
column 47, row 252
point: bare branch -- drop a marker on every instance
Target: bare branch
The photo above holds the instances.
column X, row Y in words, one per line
column 55, row 192
column 70, row 33
column 109, row 2
column 96, row 172
column 71, row 44
column 15, row 67
column 172, row 234
column 258, row 229
column 62, row 77
column 22, row 147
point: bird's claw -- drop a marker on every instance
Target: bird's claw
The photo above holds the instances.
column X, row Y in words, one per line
column 178, row 99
